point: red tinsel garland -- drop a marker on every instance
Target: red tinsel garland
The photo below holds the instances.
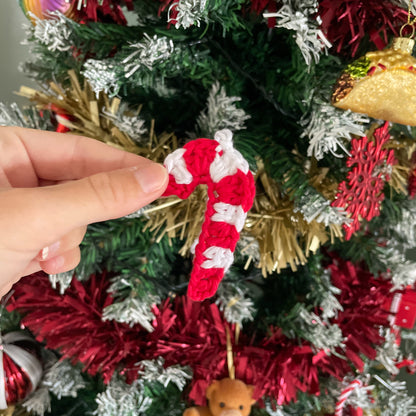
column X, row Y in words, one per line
column 346, row 22
column 411, row 185
column 363, row 300
column 194, row 334
column 105, row 11
column 276, row 365
column 72, row 323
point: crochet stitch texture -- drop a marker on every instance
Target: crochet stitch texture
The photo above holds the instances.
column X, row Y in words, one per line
column 231, row 192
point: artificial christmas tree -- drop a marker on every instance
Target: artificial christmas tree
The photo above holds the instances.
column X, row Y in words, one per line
column 316, row 305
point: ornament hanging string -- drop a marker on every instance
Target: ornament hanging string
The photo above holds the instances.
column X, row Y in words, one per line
column 410, row 22
column 230, row 355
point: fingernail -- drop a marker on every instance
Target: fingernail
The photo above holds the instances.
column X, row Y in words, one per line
column 44, row 253
column 150, row 177
column 49, row 251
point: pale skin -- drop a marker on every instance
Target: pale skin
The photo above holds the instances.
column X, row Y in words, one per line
column 52, row 186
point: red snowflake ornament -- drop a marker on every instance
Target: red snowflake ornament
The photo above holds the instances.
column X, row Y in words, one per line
column 362, row 195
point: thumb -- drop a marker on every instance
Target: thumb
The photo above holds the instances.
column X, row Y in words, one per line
column 47, row 213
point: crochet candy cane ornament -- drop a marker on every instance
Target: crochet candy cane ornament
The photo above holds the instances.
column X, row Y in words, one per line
column 231, row 193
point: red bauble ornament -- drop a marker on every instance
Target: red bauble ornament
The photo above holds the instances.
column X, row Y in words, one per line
column 20, row 369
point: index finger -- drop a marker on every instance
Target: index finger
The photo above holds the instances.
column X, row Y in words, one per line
column 57, row 156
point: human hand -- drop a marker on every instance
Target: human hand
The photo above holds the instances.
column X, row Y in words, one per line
column 52, row 186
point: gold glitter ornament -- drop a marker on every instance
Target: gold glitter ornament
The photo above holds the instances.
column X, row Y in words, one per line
column 381, row 84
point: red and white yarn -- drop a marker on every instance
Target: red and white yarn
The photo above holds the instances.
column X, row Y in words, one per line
column 231, row 191
column 346, row 393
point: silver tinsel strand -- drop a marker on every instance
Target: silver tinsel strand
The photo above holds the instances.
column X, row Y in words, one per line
column 329, row 304
column 133, row 309
column 137, row 214
column 393, row 399
column 406, row 228
column 121, row 399
column 407, row 335
column 402, row 239
column 189, row 13
column 63, row 379
column 39, row 402
column 314, row 206
column 128, row 122
column 60, row 378
column 328, row 127
column 64, row 279
column 389, row 353
column 405, row 5
column 297, row 16
column 248, row 246
column 12, row 115
column 147, row 52
column 278, row 412
column 235, row 304
column 221, row 113
column 153, row 370
column 54, row 32
column 403, row 270
column 323, row 335
column 102, row 76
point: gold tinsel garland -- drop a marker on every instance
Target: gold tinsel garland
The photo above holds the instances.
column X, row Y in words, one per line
column 283, row 236
column 9, row 411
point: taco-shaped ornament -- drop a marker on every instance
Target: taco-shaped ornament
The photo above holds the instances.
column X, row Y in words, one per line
column 381, row 84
